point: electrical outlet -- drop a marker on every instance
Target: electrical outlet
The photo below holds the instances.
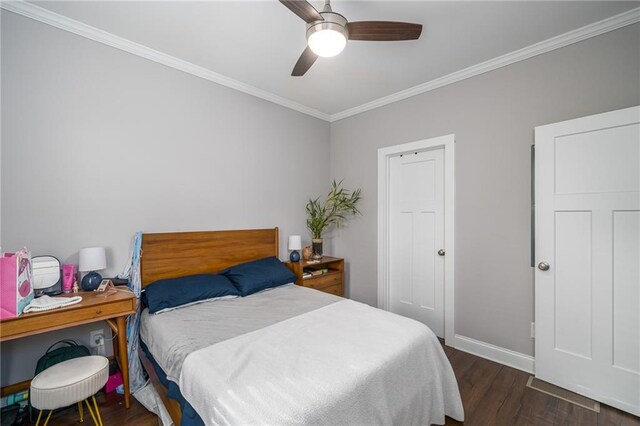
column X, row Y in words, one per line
column 96, row 338
column 533, row 330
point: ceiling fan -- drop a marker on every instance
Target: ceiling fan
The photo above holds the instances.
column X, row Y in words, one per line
column 328, row 32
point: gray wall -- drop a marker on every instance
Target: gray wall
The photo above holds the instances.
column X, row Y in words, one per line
column 493, row 117
column 98, row 144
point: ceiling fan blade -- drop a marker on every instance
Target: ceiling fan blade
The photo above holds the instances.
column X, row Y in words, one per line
column 304, row 62
column 303, row 9
column 383, row 31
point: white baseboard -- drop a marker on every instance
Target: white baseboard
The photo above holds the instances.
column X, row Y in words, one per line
column 495, row 353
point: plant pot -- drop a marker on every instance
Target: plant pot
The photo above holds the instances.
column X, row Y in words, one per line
column 317, row 248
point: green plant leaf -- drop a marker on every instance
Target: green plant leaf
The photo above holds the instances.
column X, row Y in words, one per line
column 338, row 206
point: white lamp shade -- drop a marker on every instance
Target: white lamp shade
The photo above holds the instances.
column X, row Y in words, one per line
column 92, row 259
column 295, row 242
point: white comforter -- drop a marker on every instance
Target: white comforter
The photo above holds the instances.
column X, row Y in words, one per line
column 345, row 363
column 172, row 336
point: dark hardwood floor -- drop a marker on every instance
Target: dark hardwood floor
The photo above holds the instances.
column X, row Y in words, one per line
column 492, row 394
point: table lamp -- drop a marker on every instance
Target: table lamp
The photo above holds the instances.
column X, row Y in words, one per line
column 295, row 244
column 92, row 259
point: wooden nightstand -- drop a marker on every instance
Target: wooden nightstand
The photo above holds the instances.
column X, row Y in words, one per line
column 331, row 282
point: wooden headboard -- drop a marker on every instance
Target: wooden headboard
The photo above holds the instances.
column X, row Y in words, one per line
column 176, row 254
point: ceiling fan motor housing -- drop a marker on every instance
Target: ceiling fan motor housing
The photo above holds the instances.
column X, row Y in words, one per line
column 332, row 21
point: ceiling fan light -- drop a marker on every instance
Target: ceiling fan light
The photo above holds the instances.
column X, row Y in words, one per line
column 327, row 42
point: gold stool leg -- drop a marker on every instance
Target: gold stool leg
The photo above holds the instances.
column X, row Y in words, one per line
column 81, row 411
column 39, row 416
column 97, row 410
column 91, row 412
column 48, row 417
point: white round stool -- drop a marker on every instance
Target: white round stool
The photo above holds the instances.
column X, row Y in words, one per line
column 70, row 382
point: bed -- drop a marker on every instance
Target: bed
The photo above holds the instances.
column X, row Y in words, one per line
column 284, row 355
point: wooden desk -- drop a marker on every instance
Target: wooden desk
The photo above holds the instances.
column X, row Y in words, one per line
column 113, row 309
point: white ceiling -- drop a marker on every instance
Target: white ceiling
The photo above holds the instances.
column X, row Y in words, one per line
column 258, row 42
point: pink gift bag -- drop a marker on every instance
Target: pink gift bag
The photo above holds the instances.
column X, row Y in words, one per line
column 15, row 283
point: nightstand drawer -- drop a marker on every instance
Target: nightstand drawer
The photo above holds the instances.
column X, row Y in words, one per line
column 334, row 289
column 322, row 281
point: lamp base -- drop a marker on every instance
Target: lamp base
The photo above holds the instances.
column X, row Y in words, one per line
column 91, row 281
column 294, row 256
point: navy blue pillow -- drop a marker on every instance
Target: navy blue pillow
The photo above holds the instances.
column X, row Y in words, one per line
column 252, row 277
column 174, row 292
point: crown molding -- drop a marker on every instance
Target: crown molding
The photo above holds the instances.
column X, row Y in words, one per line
column 609, row 24
column 76, row 27
column 67, row 24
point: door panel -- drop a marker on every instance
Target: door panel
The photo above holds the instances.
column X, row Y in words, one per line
column 423, row 258
column 588, row 231
column 583, row 161
column 402, row 265
column 626, row 291
column 573, row 283
column 416, row 233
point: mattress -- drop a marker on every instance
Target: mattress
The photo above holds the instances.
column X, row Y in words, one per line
column 293, row 355
column 172, row 336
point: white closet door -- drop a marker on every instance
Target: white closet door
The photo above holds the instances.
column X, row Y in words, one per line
column 588, row 249
column 416, row 233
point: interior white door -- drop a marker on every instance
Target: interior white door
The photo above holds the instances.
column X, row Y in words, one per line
column 416, row 234
column 587, row 300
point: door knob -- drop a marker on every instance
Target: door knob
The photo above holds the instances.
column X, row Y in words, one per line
column 441, row 252
column 543, row 266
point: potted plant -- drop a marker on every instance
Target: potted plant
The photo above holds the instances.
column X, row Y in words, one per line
column 335, row 209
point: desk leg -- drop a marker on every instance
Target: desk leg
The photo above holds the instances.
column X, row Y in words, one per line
column 124, row 360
